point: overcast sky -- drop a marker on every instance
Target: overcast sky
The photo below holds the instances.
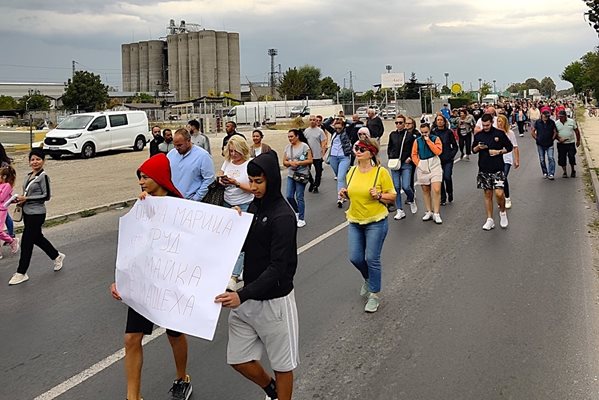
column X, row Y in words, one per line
column 507, row 40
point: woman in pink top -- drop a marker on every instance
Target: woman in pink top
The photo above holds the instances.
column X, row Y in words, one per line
column 7, row 181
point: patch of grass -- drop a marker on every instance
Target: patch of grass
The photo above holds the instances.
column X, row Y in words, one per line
column 87, row 213
column 594, row 225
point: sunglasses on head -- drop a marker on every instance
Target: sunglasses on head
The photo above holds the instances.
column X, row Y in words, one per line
column 360, row 149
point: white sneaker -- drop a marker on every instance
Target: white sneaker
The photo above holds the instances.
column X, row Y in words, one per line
column 301, row 223
column 58, row 262
column 503, row 219
column 427, row 216
column 508, row 203
column 413, row 207
column 18, row 278
column 399, row 215
column 437, row 218
column 490, row 224
column 373, row 303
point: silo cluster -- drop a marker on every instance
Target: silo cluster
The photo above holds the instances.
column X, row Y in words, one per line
column 195, row 64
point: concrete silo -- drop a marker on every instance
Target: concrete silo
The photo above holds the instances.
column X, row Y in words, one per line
column 208, row 81
column 155, row 65
column 193, row 43
column 173, row 63
column 182, row 45
column 222, row 62
column 234, row 66
column 144, row 67
column 134, row 59
column 126, row 67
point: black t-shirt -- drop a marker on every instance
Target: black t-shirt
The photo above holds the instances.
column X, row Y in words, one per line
column 495, row 139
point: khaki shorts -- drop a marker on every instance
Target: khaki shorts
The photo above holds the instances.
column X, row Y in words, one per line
column 271, row 325
column 429, row 171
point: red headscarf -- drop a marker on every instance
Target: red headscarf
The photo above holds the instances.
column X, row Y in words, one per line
column 368, row 146
column 158, row 169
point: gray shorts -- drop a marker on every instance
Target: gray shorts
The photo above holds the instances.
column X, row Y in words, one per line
column 271, row 325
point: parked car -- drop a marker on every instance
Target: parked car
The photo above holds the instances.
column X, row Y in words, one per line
column 363, row 111
column 88, row 133
column 389, row 112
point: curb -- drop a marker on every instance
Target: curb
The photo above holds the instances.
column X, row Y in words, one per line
column 88, row 212
column 590, row 166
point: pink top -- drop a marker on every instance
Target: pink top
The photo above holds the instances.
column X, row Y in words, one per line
column 5, row 194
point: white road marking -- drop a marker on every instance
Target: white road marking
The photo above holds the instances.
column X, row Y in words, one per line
column 118, row 355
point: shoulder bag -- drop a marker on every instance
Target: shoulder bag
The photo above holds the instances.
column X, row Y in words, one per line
column 298, row 176
column 17, row 214
column 394, row 164
column 215, row 195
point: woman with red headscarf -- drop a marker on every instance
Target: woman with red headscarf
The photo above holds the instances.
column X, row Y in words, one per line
column 369, row 189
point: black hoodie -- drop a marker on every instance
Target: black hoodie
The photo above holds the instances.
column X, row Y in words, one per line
column 271, row 245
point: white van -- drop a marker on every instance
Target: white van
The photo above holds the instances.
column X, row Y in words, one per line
column 89, row 133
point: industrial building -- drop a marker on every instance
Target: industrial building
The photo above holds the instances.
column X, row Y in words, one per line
column 191, row 63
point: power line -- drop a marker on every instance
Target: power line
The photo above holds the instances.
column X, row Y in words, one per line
column 61, row 68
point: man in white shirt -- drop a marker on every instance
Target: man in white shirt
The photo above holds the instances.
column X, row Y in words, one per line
column 197, row 137
column 317, row 141
column 568, row 139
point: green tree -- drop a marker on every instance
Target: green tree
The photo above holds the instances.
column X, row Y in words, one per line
column 368, row 96
column 8, row 103
column 532, row 83
column 311, row 77
column 412, row 88
column 34, row 102
column 141, row 98
column 547, row 86
column 345, row 95
column 85, row 92
column 292, row 85
column 573, row 73
column 445, row 90
column 329, row 87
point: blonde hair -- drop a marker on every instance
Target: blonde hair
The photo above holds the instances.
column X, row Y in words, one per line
column 374, row 143
column 238, row 144
column 504, row 120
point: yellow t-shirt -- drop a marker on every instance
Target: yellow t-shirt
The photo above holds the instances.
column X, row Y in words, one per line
column 363, row 209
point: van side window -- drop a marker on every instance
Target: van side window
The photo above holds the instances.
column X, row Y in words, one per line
column 118, row 120
column 99, row 123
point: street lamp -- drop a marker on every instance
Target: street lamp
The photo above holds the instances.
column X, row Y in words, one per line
column 388, row 68
column 446, row 76
column 480, row 89
column 494, row 82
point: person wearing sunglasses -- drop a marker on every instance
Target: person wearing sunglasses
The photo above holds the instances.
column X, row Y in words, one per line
column 340, row 152
column 429, row 174
column 369, row 189
column 400, row 147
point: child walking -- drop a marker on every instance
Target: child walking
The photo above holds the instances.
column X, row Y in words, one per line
column 7, row 181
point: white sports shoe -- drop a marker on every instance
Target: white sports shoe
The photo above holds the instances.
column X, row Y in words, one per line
column 18, row 278
column 399, row 215
column 301, row 223
column 413, row 207
column 427, row 216
column 508, row 203
column 503, row 219
column 58, row 262
column 490, row 224
column 437, row 218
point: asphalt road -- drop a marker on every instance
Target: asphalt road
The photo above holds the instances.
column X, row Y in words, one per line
column 10, row 136
column 465, row 314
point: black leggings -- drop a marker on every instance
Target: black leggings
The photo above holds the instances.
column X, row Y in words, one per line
column 32, row 235
column 520, row 127
column 465, row 140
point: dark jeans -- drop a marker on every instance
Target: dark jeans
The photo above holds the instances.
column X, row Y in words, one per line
column 447, row 183
column 32, row 235
column 10, row 226
column 466, row 141
column 506, row 185
column 566, row 151
column 520, row 127
column 315, row 182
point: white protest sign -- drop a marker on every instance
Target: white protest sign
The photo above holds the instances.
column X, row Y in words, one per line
column 393, row 80
column 174, row 257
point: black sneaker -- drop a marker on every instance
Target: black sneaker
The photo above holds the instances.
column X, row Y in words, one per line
column 310, row 188
column 565, row 175
column 573, row 174
column 181, row 389
column 340, row 204
column 315, row 190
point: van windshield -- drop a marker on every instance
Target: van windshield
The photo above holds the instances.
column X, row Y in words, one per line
column 75, row 122
column 232, row 112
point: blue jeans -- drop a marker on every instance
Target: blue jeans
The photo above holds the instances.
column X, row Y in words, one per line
column 447, row 183
column 10, row 225
column 365, row 247
column 340, row 165
column 295, row 196
column 238, row 268
column 549, row 151
column 401, row 180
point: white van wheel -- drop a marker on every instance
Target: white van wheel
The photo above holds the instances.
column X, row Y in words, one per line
column 88, row 150
column 140, row 143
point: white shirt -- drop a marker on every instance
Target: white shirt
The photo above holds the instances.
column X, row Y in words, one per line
column 508, row 158
column 234, row 195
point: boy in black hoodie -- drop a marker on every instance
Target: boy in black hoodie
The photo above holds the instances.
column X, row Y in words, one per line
column 264, row 314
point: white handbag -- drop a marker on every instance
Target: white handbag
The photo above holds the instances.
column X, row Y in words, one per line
column 394, row 164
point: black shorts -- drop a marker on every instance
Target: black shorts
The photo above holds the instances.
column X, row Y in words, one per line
column 490, row 180
column 137, row 323
column 566, row 151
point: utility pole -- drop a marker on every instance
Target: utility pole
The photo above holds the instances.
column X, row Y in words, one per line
column 351, row 88
column 73, row 69
column 446, row 76
column 272, row 53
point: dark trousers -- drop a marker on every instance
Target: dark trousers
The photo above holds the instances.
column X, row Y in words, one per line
column 447, row 183
column 315, row 182
column 466, row 141
column 32, row 235
column 566, row 151
column 520, row 127
column 506, row 184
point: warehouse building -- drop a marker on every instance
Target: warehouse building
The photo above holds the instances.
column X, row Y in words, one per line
column 191, row 63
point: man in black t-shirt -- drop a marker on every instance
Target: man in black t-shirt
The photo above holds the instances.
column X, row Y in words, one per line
column 491, row 145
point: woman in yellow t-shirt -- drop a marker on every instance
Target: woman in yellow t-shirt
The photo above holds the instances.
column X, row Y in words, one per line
column 369, row 189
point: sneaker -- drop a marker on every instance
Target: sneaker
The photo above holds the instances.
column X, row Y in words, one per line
column 467, row 157
column 573, row 174
column 310, row 188
column 270, row 398
column 399, row 215
column 373, row 303
column 450, row 197
column 18, row 278
column 58, row 262
column 14, row 245
column 565, row 174
column 181, row 389
column 364, row 289
column 550, row 177
column 339, row 203
column 335, row 178
column 544, row 176
column 315, row 190
column 437, row 218
column 413, row 207
column 503, row 219
column 301, row 223
column 508, row 203
column 443, row 202
column 427, row 216
column 490, row 224
column 521, row 135
column 232, row 285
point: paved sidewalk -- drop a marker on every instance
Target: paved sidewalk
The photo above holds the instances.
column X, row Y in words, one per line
column 79, row 185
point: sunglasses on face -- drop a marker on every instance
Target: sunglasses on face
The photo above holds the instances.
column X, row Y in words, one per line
column 360, row 149
column 399, row 122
